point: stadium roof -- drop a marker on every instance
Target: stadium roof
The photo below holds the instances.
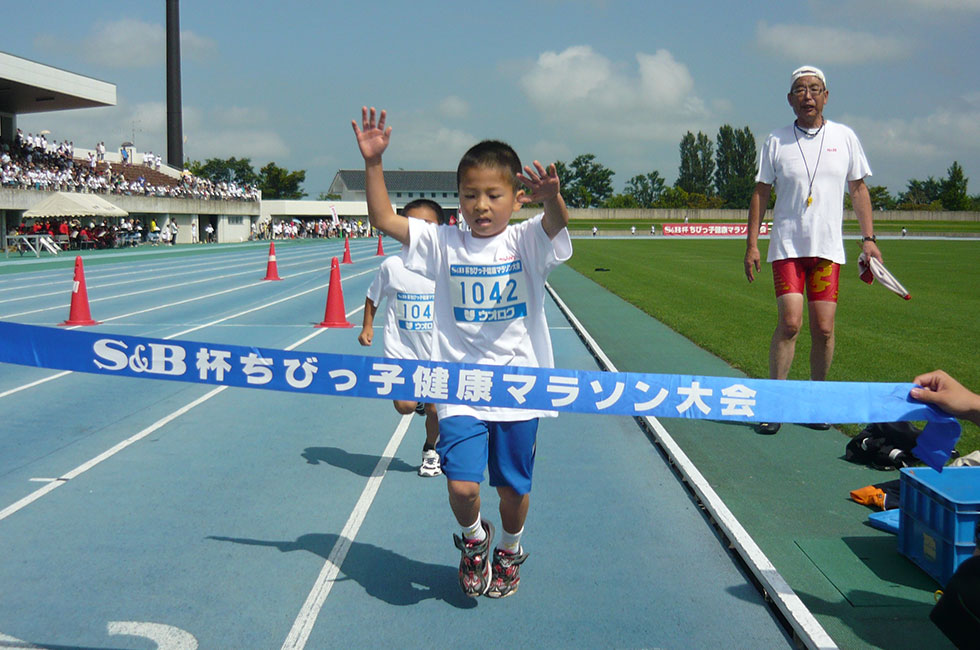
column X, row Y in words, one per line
column 30, row 87
column 403, row 181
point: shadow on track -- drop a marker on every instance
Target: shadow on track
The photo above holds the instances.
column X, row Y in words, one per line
column 384, row 574
column 360, row 464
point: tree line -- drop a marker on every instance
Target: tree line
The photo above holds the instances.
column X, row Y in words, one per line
column 275, row 182
column 717, row 173
column 721, row 174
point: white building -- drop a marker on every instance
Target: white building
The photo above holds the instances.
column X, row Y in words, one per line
column 403, row 187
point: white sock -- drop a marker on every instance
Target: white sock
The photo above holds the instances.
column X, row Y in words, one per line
column 510, row 542
column 476, row 532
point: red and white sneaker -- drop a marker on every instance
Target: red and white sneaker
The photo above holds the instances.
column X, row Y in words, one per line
column 474, row 565
column 505, row 573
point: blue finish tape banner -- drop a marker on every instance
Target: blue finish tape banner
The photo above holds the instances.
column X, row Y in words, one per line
column 614, row 393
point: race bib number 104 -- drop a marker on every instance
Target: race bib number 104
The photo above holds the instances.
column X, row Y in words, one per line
column 488, row 293
column 414, row 311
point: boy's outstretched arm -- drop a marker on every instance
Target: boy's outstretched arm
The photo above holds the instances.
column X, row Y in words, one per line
column 545, row 188
column 372, row 140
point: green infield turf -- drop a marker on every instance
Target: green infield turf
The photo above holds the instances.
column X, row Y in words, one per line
column 699, row 289
column 851, row 227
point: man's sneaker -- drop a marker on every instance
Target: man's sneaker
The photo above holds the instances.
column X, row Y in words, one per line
column 430, row 463
column 474, row 565
column 420, row 408
column 819, row 426
column 767, row 428
column 506, row 573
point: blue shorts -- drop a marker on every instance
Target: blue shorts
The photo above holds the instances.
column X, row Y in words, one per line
column 467, row 446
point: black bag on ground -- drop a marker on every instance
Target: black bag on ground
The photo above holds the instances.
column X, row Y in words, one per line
column 884, row 445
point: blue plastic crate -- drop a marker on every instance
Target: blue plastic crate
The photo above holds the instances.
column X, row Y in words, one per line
column 939, row 516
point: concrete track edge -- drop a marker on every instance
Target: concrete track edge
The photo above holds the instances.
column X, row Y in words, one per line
column 774, row 587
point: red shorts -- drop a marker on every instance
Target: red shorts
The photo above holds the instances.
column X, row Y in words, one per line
column 819, row 276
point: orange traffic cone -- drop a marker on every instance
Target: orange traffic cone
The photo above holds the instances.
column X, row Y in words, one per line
column 79, row 313
column 335, row 315
column 347, row 259
column 272, row 270
column 381, row 250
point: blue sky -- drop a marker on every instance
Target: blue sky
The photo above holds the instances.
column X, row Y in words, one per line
column 555, row 78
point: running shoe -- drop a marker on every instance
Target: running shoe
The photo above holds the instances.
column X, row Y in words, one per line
column 506, row 573
column 819, row 426
column 430, row 463
column 474, row 565
column 420, row 408
column 767, row 428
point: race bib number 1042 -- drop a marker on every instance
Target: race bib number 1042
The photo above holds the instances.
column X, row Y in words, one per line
column 487, row 293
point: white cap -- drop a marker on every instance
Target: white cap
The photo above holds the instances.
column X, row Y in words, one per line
column 808, row 71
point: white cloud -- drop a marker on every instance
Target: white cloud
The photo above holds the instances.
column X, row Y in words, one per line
column 241, row 115
column 260, row 146
column 223, row 132
column 548, row 152
column 454, row 107
column 945, row 5
column 428, row 146
column 128, row 43
column 663, row 81
column 144, row 123
column 830, row 45
column 601, row 98
column 215, row 133
column 922, row 146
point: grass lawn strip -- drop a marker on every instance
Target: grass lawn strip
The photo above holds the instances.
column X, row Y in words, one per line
column 698, row 288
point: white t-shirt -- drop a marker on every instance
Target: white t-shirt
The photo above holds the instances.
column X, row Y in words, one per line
column 408, row 314
column 489, row 299
column 833, row 157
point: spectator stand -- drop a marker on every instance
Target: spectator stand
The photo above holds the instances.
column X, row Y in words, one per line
column 32, row 162
column 59, row 208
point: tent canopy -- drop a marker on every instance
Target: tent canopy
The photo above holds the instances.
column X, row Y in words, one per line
column 71, row 204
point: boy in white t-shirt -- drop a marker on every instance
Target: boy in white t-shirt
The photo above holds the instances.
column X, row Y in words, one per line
column 408, row 324
column 489, row 309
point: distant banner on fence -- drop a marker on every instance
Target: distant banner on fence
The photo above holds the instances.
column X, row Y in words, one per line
column 710, row 229
column 581, row 391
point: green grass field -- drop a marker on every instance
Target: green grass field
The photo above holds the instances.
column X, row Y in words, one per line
column 893, row 228
column 699, row 289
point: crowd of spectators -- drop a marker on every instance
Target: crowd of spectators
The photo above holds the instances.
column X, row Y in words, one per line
column 35, row 163
column 77, row 234
column 312, row 229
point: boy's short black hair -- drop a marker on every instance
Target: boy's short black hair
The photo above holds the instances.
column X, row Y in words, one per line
column 426, row 203
column 495, row 155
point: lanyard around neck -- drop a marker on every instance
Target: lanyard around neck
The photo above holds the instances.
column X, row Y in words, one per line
column 809, row 178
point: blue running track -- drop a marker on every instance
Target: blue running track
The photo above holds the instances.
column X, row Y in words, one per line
column 152, row 514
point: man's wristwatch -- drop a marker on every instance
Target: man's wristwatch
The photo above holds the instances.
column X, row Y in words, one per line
column 871, row 238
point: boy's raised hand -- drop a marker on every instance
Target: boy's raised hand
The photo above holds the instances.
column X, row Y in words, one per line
column 372, row 137
column 542, row 185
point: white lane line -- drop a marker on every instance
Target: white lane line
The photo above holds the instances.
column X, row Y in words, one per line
column 112, row 451
column 89, row 464
column 215, row 322
column 94, row 282
column 803, row 622
column 102, row 271
column 34, row 383
column 157, row 290
column 303, row 625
